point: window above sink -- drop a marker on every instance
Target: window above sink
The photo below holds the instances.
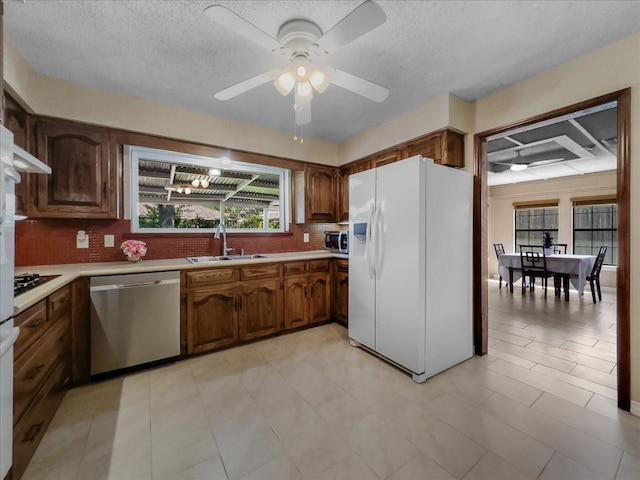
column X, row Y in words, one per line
column 172, row 192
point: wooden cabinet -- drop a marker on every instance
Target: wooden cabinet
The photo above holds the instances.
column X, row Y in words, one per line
column 212, row 318
column 42, row 371
column 445, row 147
column 385, row 157
column 83, row 180
column 16, row 120
column 260, row 309
column 341, row 292
column 307, row 293
column 320, row 193
column 343, row 184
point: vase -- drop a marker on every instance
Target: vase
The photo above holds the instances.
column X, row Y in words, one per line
column 133, row 258
column 548, row 251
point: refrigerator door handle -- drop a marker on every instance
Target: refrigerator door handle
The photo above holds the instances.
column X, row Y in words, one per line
column 368, row 242
column 375, row 240
column 378, row 259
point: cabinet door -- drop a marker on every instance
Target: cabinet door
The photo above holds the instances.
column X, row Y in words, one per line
column 16, row 120
column 321, row 194
column 386, row 157
column 212, row 318
column 319, row 297
column 342, row 300
column 343, row 196
column 83, row 178
column 295, row 302
column 260, row 309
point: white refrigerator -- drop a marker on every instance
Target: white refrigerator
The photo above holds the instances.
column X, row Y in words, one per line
column 410, row 243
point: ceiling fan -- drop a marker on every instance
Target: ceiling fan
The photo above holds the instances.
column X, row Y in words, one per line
column 301, row 41
column 517, row 160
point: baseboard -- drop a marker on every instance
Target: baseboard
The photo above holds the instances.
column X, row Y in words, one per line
column 635, row 408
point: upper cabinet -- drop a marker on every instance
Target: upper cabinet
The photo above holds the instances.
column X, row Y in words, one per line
column 445, row 147
column 320, row 193
column 16, row 120
column 343, row 183
column 84, row 172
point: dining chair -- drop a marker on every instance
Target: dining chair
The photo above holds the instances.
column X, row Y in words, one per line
column 534, row 265
column 594, row 276
column 499, row 249
column 560, row 248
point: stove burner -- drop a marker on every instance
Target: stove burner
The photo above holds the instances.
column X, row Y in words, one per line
column 26, row 281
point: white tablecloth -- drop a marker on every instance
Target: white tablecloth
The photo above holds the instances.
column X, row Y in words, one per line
column 577, row 266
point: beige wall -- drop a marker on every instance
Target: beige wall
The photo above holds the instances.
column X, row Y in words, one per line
column 502, row 198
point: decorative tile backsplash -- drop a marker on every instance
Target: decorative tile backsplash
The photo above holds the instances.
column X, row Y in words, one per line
column 50, row 242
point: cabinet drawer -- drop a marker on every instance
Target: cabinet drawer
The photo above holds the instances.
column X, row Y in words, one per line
column 294, row 268
column 29, row 431
column 319, row 266
column 59, row 303
column 33, row 323
column 343, row 266
column 210, row 277
column 251, row 272
column 32, row 369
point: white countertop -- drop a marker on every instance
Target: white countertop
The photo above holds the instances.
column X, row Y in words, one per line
column 69, row 272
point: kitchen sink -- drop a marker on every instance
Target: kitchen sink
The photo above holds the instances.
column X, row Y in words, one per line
column 221, row 258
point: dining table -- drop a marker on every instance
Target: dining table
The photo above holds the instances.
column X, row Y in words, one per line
column 572, row 267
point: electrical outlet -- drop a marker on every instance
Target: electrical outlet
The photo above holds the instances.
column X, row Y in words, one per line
column 108, row 241
column 305, row 237
column 82, row 239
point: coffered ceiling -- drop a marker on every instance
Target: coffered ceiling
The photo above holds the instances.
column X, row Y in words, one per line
column 170, row 52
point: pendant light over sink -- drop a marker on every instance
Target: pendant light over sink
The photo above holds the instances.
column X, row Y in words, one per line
column 302, row 40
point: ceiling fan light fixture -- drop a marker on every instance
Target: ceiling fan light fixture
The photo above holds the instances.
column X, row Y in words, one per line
column 319, row 80
column 204, row 183
column 214, row 172
column 301, row 68
column 518, row 167
column 304, row 92
column 195, row 182
column 285, row 83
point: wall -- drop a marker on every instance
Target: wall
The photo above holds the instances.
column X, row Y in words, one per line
column 502, row 198
column 608, row 69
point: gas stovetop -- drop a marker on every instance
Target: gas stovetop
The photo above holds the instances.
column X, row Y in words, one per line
column 27, row 281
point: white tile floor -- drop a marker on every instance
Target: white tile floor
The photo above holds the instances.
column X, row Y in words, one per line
column 307, row 405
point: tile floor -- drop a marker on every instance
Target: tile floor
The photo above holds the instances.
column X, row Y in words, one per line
column 308, row 405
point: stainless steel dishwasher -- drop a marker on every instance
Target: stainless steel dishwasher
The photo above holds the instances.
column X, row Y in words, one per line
column 135, row 319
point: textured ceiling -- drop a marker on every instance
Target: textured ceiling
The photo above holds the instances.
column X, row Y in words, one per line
column 169, row 52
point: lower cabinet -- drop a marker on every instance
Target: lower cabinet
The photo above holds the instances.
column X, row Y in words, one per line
column 296, row 305
column 42, row 372
column 212, row 318
column 307, row 296
column 260, row 309
column 319, row 297
column 341, row 292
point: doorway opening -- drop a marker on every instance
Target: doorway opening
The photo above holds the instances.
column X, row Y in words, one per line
column 522, row 148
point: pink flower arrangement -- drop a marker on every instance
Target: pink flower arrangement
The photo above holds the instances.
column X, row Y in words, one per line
column 134, row 248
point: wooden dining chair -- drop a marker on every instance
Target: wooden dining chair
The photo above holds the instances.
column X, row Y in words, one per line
column 560, row 248
column 594, row 276
column 534, row 265
column 499, row 249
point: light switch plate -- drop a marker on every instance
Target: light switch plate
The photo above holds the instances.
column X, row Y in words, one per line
column 305, row 237
column 108, row 241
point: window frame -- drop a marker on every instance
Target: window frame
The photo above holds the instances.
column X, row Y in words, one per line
column 133, row 153
column 529, row 207
column 614, row 229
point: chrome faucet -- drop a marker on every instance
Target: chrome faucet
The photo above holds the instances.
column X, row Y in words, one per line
column 222, row 228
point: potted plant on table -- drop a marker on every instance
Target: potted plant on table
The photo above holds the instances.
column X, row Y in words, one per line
column 547, row 243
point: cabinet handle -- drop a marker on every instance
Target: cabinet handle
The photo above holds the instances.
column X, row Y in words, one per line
column 34, row 373
column 33, row 431
column 36, row 323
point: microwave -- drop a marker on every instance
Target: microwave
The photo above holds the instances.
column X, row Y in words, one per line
column 337, row 240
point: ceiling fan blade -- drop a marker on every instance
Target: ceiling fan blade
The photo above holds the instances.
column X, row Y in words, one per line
column 358, row 85
column 303, row 112
column 229, row 20
column 540, row 163
column 363, row 19
column 245, row 86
